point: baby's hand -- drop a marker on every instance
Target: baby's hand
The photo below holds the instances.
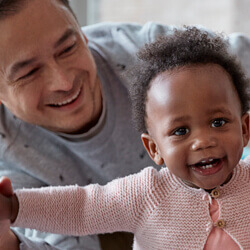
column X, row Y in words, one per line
column 7, row 200
column 5, row 207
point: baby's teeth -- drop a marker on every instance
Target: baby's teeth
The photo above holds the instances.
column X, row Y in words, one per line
column 207, row 166
column 204, row 166
column 204, row 161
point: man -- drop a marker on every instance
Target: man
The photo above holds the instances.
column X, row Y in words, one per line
column 65, row 115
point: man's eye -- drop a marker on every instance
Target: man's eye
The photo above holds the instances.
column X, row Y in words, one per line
column 30, row 73
column 68, row 49
column 181, row 131
column 218, row 123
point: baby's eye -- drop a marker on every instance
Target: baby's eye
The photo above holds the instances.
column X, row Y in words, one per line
column 181, row 131
column 218, row 123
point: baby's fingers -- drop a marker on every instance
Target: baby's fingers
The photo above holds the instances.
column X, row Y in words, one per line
column 5, row 186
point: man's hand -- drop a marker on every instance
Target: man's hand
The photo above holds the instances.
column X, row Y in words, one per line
column 8, row 240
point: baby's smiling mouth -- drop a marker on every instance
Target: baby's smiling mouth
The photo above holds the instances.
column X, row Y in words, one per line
column 208, row 166
column 206, row 163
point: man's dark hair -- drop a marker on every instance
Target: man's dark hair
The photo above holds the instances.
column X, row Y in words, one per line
column 10, row 7
column 184, row 47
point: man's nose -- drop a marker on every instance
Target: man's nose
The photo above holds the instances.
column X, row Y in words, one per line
column 203, row 141
column 59, row 79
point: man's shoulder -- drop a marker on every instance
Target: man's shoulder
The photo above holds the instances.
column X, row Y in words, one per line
column 240, row 45
column 118, row 31
column 115, row 41
column 105, row 28
column 110, row 30
column 118, row 43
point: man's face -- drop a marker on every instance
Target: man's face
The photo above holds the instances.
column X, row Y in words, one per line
column 195, row 124
column 47, row 74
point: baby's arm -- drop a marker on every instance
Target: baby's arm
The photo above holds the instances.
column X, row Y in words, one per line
column 93, row 209
column 74, row 210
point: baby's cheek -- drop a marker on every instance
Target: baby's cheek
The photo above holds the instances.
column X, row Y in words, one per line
column 235, row 148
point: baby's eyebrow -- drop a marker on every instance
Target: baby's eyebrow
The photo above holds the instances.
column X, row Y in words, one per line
column 180, row 119
column 219, row 111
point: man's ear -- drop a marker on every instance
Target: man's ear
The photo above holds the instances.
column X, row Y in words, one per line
column 85, row 38
column 245, row 128
column 152, row 148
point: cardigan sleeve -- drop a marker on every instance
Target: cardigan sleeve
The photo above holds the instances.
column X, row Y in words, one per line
column 92, row 209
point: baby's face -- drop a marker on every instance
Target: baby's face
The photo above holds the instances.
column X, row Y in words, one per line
column 195, row 124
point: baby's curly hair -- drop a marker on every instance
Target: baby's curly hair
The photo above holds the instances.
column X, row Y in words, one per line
column 184, row 47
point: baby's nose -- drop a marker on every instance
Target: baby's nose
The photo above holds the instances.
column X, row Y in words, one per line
column 203, row 142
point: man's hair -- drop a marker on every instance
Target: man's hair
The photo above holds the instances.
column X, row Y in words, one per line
column 184, row 47
column 11, row 7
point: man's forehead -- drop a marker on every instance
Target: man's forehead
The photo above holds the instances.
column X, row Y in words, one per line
column 36, row 20
column 11, row 8
column 27, row 33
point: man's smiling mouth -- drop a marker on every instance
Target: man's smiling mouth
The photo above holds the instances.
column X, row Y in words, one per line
column 67, row 101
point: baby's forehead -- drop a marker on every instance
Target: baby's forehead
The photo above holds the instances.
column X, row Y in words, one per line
column 185, row 72
column 189, row 83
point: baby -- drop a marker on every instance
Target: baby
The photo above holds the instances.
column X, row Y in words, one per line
column 190, row 101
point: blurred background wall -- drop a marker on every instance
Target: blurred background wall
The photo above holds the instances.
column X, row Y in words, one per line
column 219, row 15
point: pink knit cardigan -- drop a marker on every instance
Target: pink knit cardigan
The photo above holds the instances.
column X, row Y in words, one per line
column 161, row 211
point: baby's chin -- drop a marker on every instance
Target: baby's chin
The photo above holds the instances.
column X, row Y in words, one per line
column 208, row 186
column 220, row 184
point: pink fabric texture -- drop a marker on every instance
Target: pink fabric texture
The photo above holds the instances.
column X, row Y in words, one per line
column 161, row 211
column 218, row 238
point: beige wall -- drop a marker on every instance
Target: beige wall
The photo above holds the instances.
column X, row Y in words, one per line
column 241, row 16
column 220, row 15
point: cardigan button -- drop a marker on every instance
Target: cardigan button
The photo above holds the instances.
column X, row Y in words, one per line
column 220, row 223
column 215, row 193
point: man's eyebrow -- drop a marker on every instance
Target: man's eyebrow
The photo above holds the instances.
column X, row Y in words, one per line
column 64, row 37
column 19, row 65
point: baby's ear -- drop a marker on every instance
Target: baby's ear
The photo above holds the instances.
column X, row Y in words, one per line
column 152, row 148
column 245, row 128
